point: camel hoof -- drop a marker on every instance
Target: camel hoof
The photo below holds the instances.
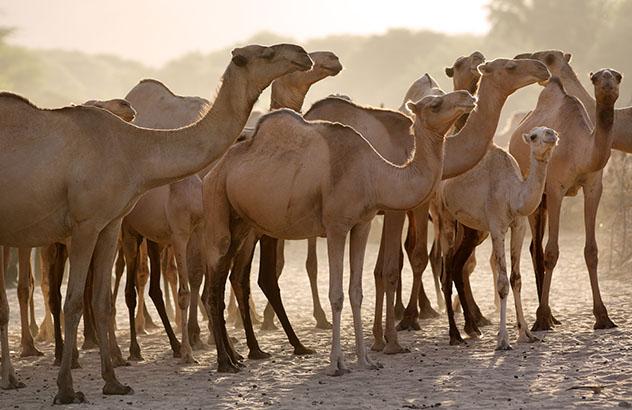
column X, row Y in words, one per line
column 336, row 372
column 378, row 346
column 89, row 344
column 456, row 340
column 472, row 330
column 483, row 321
column 227, row 368
column 135, row 357
column 528, row 338
column 258, row 354
column 57, row 362
column 541, row 325
column 394, row 348
column 11, row 384
column 118, row 361
column 408, row 323
column 322, row 324
column 188, row 358
column 555, row 321
column 302, row 350
column 604, row 323
column 75, row 364
column 176, row 349
column 69, row 397
column 268, row 325
column 116, row 388
column 503, row 345
column 30, row 351
column 199, row 345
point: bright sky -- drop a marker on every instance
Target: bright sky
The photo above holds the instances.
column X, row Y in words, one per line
column 154, row 31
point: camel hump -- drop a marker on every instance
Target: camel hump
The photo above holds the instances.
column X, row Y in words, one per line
column 11, row 97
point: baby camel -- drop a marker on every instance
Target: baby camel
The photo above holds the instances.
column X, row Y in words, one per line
column 335, row 184
column 493, row 197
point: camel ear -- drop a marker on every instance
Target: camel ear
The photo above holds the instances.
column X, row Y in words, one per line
column 528, row 137
column 592, row 77
column 412, row 107
column 268, row 53
column 617, row 75
column 239, row 59
column 567, row 57
column 549, row 59
column 522, row 56
column 449, row 71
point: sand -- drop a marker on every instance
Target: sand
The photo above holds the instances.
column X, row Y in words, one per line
column 573, row 366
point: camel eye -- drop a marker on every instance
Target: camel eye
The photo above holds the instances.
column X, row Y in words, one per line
column 533, row 137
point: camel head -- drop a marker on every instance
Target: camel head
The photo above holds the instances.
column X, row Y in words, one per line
column 265, row 64
column 464, row 72
column 326, row 63
column 437, row 113
column 118, row 106
column 542, row 141
column 606, row 82
column 555, row 60
column 511, row 75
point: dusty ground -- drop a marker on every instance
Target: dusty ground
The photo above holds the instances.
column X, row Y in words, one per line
column 556, row 373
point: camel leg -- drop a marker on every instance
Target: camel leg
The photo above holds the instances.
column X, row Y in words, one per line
column 517, row 238
column 119, row 267
column 336, row 248
column 378, row 330
column 169, row 270
column 196, row 274
column 268, row 260
column 446, row 279
column 103, row 260
column 180, row 244
column 142, row 277
column 544, row 318
column 592, row 196
column 240, row 280
column 311, row 266
column 131, row 245
column 84, row 238
column 468, row 268
column 269, row 284
column 24, row 273
column 537, row 223
column 34, row 329
column 8, row 381
column 155, row 293
column 89, row 327
column 435, row 265
column 232, row 311
column 468, row 243
column 498, row 244
column 394, row 224
column 46, row 332
column 357, row 247
column 399, row 302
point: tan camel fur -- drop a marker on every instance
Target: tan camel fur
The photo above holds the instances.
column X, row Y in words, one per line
column 493, row 197
column 500, row 78
column 336, row 182
column 577, row 163
column 96, row 167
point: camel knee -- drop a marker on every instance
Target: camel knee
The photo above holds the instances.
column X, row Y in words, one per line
column 4, row 313
column 184, row 295
column 155, row 293
column 516, row 281
column 550, row 257
column 336, row 300
column 502, row 285
column 23, row 291
column 130, row 297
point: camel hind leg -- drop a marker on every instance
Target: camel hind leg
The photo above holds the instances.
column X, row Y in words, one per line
column 8, row 380
column 311, row 266
column 24, row 284
column 517, row 238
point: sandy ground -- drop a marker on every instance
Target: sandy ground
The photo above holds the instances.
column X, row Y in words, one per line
column 556, row 373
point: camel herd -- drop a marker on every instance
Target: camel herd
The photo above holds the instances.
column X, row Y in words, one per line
column 181, row 182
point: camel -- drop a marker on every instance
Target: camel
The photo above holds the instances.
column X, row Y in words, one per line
column 491, row 198
column 465, row 75
column 578, row 162
column 499, row 79
column 169, row 214
column 336, row 183
column 96, row 166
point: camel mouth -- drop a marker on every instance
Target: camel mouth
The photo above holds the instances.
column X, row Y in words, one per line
column 333, row 70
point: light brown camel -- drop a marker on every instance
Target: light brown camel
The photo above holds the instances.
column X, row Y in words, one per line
column 169, row 214
column 336, row 182
column 122, row 109
column 577, row 163
column 500, row 78
column 96, row 167
column 491, row 198
column 465, row 75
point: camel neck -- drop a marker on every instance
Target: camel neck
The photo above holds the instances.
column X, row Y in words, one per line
column 169, row 155
column 407, row 187
column 460, row 123
column 622, row 130
column 574, row 87
column 466, row 148
column 602, row 135
column 531, row 189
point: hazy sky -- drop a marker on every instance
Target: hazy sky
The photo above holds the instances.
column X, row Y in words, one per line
column 154, row 31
